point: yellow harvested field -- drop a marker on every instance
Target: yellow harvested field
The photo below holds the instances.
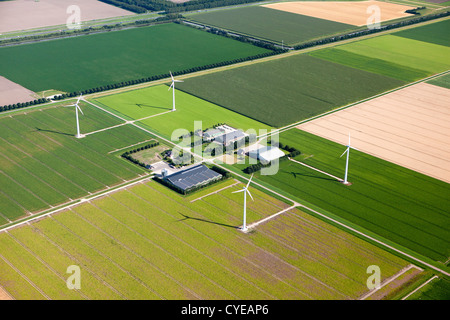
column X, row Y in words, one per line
column 409, row 127
column 29, row 14
column 349, row 12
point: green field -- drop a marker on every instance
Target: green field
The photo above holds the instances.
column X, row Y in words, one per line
column 410, row 53
column 436, row 33
column 375, row 65
column 142, row 103
column 43, row 164
column 147, row 242
column 271, row 24
column 437, row 289
column 287, row 90
column 396, row 203
column 442, row 81
column 91, row 61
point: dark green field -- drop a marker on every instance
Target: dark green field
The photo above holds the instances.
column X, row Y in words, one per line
column 270, row 24
column 437, row 33
column 283, row 91
column 86, row 62
column 43, row 164
column 396, row 203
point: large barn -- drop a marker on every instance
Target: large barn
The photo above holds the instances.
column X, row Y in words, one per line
column 192, row 178
column 266, row 154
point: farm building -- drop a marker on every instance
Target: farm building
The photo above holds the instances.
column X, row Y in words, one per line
column 230, row 137
column 266, row 154
column 212, row 134
column 192, row 178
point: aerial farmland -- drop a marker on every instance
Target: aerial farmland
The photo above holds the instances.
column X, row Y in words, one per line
column 210, row 151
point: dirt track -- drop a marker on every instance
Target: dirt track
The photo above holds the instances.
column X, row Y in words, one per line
column 409, row 127
column 349, row 12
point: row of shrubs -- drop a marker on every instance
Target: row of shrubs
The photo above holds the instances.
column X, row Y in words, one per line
column 23, row 104
column 128, row 155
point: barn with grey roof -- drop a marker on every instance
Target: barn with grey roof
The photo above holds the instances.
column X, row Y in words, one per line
column 192, row 177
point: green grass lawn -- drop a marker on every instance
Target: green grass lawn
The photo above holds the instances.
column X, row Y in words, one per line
column 271, row 24
column 283, row 91
column 148, row 242
column 43, row 164
column 153, row 100
column 401, row 205
column 407, row 52
column 91, row 61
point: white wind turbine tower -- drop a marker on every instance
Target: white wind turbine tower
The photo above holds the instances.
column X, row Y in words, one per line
column 245, row 190
column 77, row 107
column 348, row 155
column 173, row 89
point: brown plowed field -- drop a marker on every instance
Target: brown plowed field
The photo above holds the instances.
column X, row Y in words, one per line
column 349, row 12
column 28, row 14
column 409, row 127
column 11, row 92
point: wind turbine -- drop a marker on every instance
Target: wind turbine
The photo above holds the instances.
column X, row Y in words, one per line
column 173, row 88
column 346, row 163
column 77, row 107
column 245, row 190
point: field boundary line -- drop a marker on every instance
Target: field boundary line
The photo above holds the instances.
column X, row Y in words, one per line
column 75, row 202
column 270, row 217
column 390, row 279
column 217, row 191
column 318, row 170
column 31, row 283
column 420, row 287
column 43, row 262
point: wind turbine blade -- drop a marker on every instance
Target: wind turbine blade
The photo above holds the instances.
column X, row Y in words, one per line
column 80, row 110
column 249, row 194
column 171, row 75
column 249, row 181
column 239, row 191
column 178, row 80
column 346, row 150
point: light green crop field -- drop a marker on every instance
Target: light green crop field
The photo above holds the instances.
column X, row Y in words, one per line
column 43, row 164
column 401, row 205
column 407, row 52
column 148, row 242
column 157, row 99
column 370, row 64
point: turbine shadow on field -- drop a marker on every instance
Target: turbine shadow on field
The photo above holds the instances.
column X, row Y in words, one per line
column 207, row 221
column 54, row 131
column 295, row 174
column 140, row 105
